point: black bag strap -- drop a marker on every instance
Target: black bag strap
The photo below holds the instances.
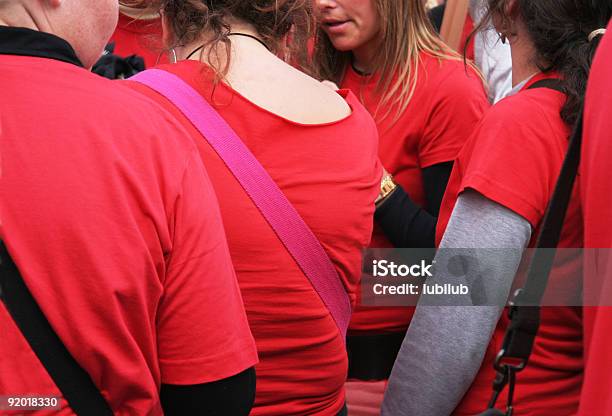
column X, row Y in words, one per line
column 550, row 83
column 72, row 380
column 525, row 316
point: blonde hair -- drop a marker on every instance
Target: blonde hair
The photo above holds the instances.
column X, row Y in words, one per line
column 139, row 13
column 430, row 4
column 406, row 31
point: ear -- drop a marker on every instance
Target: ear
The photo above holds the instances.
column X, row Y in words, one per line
column 511, row 8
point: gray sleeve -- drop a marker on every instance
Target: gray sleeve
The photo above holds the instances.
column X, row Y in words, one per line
column 444, row 346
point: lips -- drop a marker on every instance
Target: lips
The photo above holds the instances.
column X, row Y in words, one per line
column 335, row 26
column 333, row 23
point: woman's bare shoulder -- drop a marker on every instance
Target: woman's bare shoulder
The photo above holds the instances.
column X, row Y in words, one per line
column 289, row 93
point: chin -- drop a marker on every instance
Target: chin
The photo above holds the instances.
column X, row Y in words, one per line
column 343, row 45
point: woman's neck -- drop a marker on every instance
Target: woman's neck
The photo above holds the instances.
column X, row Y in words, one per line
column 524, row 64
column 363, row 58
column 236, row 26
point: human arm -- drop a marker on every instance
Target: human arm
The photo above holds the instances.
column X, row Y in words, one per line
column 232, row 396
column 203, row 335
column 444, row 346
column 405, row 223
column 456, row 107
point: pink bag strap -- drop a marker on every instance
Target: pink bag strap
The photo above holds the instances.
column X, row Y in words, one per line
column 286, row 222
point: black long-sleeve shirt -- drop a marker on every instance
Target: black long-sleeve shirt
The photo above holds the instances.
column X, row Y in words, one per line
column 405, row 223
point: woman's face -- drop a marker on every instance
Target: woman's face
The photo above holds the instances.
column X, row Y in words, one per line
column 350, row 24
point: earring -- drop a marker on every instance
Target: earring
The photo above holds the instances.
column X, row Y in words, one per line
column 173, row 59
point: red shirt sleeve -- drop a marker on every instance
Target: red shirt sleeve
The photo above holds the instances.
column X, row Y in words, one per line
column 455, row 111
column 203, row 333
column 511, row 162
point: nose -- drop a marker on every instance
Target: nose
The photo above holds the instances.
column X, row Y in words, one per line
column 325, row 4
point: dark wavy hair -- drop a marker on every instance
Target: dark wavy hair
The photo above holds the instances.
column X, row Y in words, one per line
column 273, row 20
column 559, row 30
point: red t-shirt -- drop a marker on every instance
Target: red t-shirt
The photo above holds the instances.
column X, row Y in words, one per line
column 514, row 159
column 331, row 175
column 596, row 189
column 113, row 223
column 140, row 37
column 447, row 104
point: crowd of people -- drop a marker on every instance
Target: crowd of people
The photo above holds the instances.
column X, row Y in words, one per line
column 189, row 241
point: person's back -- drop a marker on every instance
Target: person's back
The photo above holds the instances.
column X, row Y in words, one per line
column 320, row 149
column 283, row 90
column 113, row 225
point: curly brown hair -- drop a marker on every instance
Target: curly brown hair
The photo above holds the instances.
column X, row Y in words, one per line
column 272, row 19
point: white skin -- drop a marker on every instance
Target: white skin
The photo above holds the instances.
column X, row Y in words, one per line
column 266, row 80
column 352, row 26
column 85, row 24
